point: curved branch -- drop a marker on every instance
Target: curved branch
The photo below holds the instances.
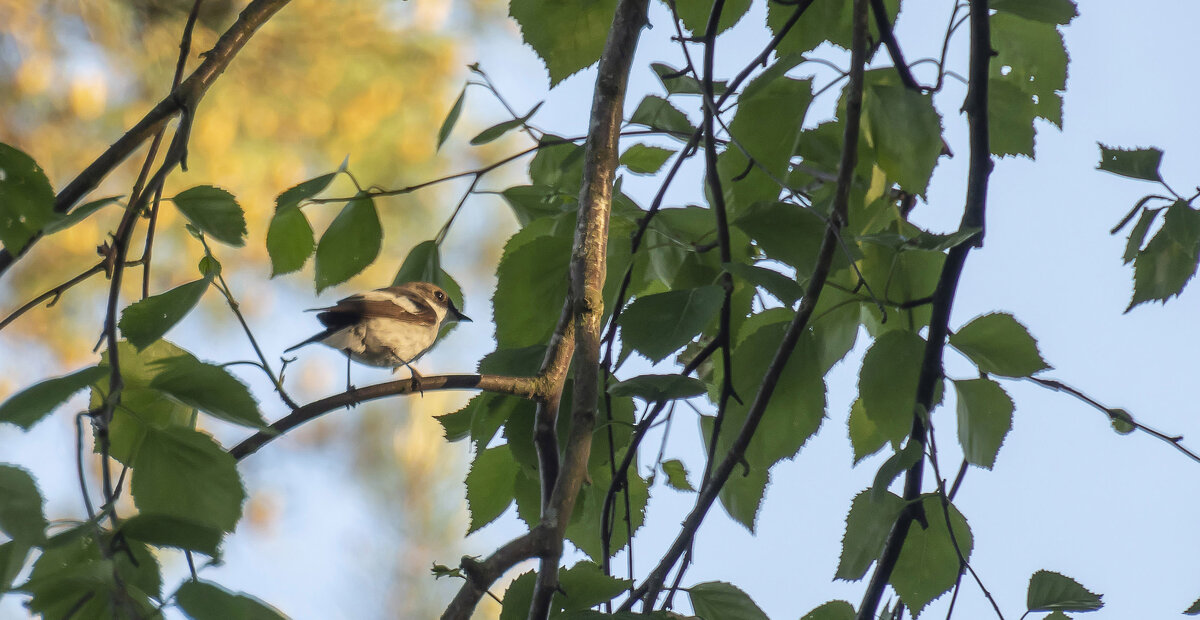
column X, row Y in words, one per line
column 976, row 108
column 186, row 96
column 524, row 387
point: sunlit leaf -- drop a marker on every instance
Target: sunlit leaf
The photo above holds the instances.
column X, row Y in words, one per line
column 904, row 129
column 147, row 320
column 999, row 345
column 822, row 21
column 215, row 212
column 783, row 288
column 173, row 531
column 567, row 36
column 499, row 129
column 531, row 288
column 652, row 388
column 1030, row 56
column 895, row 465
column 73, row 579
column 984, row 418
column 677, row 476
column 29, row 406
column 586, row 586
column 26, row 199
column 695, row 14
column 865, row 436
column 351, row 242
column 682, row 83
column 293, row 196
column 1050, row 591
column 424, row 264
column 78, row 214
column 1168, row 262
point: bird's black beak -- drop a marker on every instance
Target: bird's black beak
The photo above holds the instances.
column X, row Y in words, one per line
column 459, row 316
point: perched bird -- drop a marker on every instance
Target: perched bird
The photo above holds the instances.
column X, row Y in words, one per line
column 389, row 327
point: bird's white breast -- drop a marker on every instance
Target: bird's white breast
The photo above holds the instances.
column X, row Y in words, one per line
column 384, row 342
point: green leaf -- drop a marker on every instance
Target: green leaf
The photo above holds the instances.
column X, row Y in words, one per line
column 1168, row 262
column 208, row 388
column 140, row 408
column 1049, row 11
column 350, row 243
column 887, row 382
column 12, row 561
column 833, row 610
column 180, row 472
column 73, row 570
column 984, row 418
column 215, row 212
column 928, row 564
column 1031, row 57
column 173, row 531
column 567, row 36
column 653, row 388
column 644, row 159
column 904, row 129
column 787, row 233
column 822, row 21
column 715, row 600
column 867, row 527
column 29, row 406
column 289, row 241
column 78, row 214
column 558, row 165
column 767, row 136
column 499, row 129
column 1133, row 163
column 586, row 586
column 26, row 199
column 293, row 196
column 21, row 515
column 1050, row 591
column 1011, row 111
column 532, row 274
column 895, row 465
column 1194, row 610
column 424, row 264
column 147, row 320
column 999, row 345
column 783, row 288
column 677, row 83
column 518, row 596
column 694, row 15
column 658, row 325
column 451, row 119
column 794, row 413
column 677, row 476
column 490, row 485
column 205, row 600
column 656, row 113
column 865, row 436
column 1121, row 421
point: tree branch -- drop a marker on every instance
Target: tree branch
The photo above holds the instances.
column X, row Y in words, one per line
column 975, row 106
column 185, row 97
column 588, row 267
column 648, row 591
column 524, row 387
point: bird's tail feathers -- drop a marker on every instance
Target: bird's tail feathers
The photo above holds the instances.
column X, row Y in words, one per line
column 316, row 338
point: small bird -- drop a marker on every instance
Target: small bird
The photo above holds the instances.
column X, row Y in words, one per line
column 389, row 327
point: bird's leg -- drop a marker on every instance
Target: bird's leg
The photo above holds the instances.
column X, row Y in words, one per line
column 349, row 386
column 415, row 378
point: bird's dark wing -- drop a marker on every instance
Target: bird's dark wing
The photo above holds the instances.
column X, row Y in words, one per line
column 353, row 309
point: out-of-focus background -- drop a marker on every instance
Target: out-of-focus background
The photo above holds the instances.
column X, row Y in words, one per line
column 346, row 515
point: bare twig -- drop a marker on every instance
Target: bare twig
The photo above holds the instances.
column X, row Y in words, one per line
column 54, row 293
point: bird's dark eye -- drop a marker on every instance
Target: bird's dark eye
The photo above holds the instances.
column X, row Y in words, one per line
column 440, row 295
